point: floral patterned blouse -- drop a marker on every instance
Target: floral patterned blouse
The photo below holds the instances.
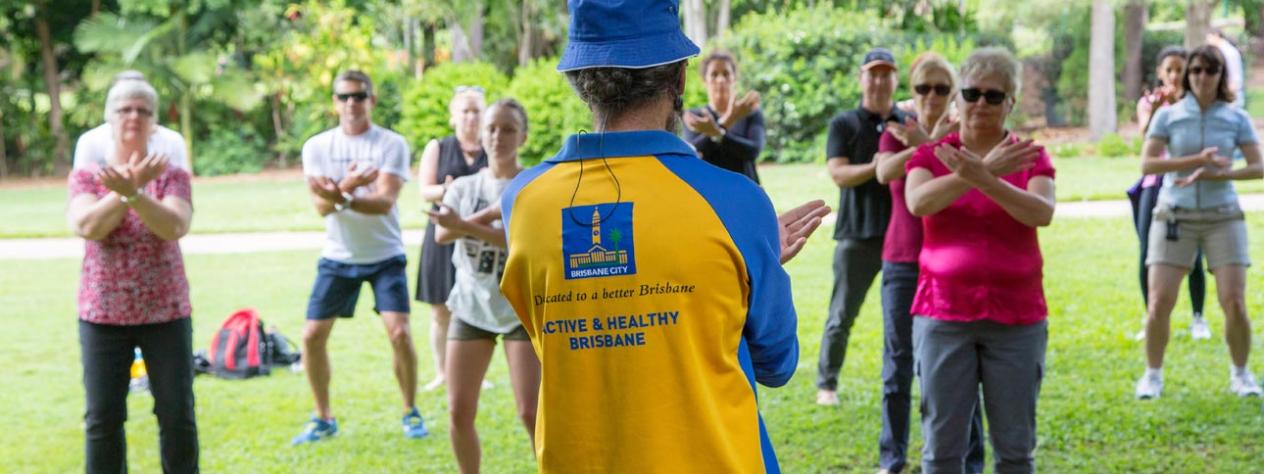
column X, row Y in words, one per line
column 133, row 277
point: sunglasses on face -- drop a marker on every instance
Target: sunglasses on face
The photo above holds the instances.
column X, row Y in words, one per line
column 460, row 89
column 358, row 96
column 992, row 96
column 139, row 111
column 941, row 90
column 1209, row 70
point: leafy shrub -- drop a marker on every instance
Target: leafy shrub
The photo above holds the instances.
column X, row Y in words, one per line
column 552, row 107
column 1114, row 146
column 424, row 114
column 1067, row 150
column 805, row 65
column 229, row 151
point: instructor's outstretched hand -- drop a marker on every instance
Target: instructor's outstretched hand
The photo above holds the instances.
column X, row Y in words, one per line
column 797, row 224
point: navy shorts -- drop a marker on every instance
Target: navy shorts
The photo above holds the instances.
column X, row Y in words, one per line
column 338, row 285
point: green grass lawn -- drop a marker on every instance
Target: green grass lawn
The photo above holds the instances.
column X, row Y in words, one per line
column 1088, row 419
column 271, row 203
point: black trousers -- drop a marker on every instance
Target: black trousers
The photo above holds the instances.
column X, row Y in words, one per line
column 107, row 353
column 856, row 264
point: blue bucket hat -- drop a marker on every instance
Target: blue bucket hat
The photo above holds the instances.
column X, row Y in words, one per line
column 630, row 34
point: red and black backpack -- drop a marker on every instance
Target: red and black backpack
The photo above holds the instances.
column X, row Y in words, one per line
column 241, row 349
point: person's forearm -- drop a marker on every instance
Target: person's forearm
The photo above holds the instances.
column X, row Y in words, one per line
column 1250, row 171
column 1156, row 165
column 463, row 228
column 891, row 165
column 1024, row 206
column 97, row 220
column 162, row 220
column 373, row 204
column 935, row 195
column 744, row 149
column 849, row 176
column 432, row 192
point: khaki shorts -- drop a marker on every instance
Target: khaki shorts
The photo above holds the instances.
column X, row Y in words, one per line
column 459, row 330
column 1220, row 233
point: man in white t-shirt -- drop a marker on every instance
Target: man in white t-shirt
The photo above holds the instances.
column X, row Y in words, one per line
column 95, row 145
column 1233, row 65
column 354, row 174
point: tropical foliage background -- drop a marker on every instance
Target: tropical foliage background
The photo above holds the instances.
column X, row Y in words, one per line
column 247, row 81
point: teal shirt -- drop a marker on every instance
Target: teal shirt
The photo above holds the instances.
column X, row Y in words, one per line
column 1188, row 130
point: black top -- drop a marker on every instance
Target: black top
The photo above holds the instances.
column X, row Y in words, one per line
column 738, row 149
column 452, row 160
column 865, row 209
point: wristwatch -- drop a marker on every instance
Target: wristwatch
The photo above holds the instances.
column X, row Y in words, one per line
column 346, row 204
column 127, row 201
column 719, row 138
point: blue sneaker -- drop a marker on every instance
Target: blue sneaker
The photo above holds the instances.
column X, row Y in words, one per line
column 316, row 430
column 414, row 427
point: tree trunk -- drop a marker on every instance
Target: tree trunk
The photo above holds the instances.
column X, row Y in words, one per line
column 1101, row 75
column 1198, row 22
column 4, row 155
column 96, row 7
column 696, row 21
column 53, row 82
column 1135, row 17
column 475, row 31
column 427, row 45
column 524, row 37
column 723, row 17
column 278, row 127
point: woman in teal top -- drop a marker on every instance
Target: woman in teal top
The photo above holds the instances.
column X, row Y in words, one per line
column 1198, row 209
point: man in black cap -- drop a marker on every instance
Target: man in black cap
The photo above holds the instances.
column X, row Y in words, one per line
column 864, row 208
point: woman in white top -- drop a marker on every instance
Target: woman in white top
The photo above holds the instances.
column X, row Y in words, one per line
column 469, row 217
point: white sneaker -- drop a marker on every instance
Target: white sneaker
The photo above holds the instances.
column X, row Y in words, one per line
column 1198, row 328
column 1150, row 386
column 1244, row 385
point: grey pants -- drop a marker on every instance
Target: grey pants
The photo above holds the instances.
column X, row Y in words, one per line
column 856, row 264
column 953, row 360
column 899, row 286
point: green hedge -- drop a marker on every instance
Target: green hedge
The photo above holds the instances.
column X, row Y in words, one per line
column 805, row 65
column 552, row 106
column 424, row 112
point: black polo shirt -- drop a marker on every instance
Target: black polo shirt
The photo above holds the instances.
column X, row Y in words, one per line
column 863, row 210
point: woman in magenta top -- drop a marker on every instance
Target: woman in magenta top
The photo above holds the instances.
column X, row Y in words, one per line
column 980, row 307
column 934, row 84
column 132, row 290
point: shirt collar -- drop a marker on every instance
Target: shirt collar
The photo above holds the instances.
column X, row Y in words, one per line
column 1190, row 104
column 879, row 118
column 582, row 146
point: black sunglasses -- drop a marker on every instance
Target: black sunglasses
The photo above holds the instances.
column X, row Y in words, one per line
column 1210, row 70
column 359, row 96
column 941, row 90
column 992, row 96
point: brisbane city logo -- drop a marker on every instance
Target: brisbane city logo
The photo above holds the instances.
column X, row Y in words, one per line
column 597, row 241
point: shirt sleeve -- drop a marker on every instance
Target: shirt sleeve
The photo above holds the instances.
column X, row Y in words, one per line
column 179, row 157
column 176, row 182
column 747, row 147
column 887, row 143
column 924, row 158
column 837, row 144
column 1158, row 124
column 1043, row 166
column 771, row 324
column 311, row 159
column 82, row 181
column 396, row 160
column 452, row 198
column 83, row 153
column 1246, row 130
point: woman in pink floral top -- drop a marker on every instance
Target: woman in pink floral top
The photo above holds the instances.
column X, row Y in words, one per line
column 132, row 290
column 980, row 306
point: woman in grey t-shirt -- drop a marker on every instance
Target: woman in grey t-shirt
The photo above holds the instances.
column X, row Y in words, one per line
column 470, row 217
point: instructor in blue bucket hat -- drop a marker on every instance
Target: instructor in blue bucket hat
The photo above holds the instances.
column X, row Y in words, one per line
column 649, row 281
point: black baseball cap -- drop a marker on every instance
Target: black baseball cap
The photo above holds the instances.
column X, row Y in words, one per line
column 877, row 57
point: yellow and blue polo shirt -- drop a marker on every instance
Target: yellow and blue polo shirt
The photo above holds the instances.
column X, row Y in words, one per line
column 654, row 296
